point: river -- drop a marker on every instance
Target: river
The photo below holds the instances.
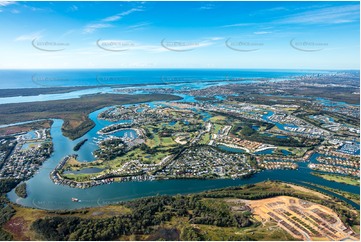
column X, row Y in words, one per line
column 44, row 194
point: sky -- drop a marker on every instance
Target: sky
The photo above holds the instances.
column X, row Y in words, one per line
column 261, row 35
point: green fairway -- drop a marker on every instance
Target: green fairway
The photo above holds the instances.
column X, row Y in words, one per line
column 336, row 178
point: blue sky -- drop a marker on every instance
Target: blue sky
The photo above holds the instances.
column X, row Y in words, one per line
column 282, row 35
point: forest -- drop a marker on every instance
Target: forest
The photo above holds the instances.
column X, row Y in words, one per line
column 146, row 213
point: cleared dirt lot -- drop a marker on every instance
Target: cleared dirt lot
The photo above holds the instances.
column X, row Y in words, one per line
column 302, row 219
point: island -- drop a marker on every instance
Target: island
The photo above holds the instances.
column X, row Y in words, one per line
column 20, row 190
column 79, row 145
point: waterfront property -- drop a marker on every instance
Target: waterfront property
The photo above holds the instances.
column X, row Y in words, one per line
column 23, row 155
column 172, row 140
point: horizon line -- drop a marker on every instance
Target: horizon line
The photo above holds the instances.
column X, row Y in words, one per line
column 179, row 68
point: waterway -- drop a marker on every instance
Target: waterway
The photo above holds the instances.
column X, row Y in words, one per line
column 85, row 171
column 43, row 193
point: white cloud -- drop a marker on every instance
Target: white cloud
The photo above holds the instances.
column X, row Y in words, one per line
column 137, row 26
column 35, row 9
column 111, row 18
column 104, row 23
column 237, row 25
column 29, row 37
column 328, row 15
column 268, row 11
column 208, row 6
column 216, row 38
column 73, row 8
column 67, row 33
column 6, row 3
column 90, row 28
column 262, row 32
column 121, row 15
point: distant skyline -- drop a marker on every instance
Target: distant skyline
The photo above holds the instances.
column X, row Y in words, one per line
column 253, row 35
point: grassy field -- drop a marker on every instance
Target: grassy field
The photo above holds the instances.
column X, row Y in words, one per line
column 216, row 128
column 78, row 177
column 268, row 232
column 154, row 141
column 336, row 178
column 165, row 142
column 299, row 152
column 218, row 119
column 135, row 155
column 205, row 139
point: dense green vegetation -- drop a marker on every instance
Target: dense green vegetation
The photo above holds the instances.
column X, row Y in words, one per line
column 78, row 131
column 146, row 213
column 246, row 131
column 20, row 190
column 111, row 128
column 6, row 211
column 243, row 127
column 207, row 213
column 6, row 185
column 110, row 149
column 79, row 145
column 234, row 117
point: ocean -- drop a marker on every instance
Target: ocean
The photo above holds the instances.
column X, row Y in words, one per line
column 97, row 77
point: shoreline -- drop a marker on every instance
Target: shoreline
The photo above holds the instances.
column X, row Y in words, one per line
column 58, row 179
column 302, row 186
